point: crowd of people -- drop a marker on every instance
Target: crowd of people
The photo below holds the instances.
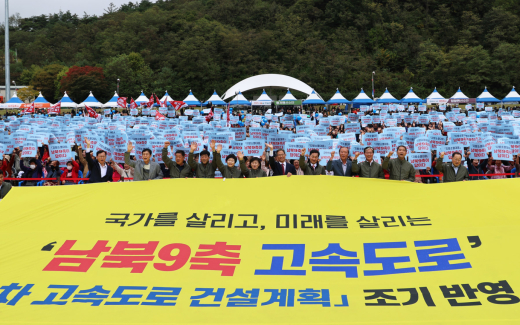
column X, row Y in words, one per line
column 204, row 160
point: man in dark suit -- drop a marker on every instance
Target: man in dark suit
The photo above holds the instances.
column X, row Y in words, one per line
column 280, row 166
column 100, row 171
column 341, row 167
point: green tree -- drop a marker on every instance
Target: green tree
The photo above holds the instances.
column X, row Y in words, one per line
column 134, row 73
column 44, row 81
column 80, row 81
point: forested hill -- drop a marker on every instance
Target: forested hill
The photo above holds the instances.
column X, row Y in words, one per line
column 204, row 45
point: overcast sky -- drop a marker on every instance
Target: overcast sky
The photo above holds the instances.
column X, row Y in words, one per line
column 28, row 8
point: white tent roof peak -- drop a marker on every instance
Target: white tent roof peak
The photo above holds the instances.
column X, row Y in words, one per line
column 435, row 95
column 288, row 96
column 264, row 97
column 459, row 94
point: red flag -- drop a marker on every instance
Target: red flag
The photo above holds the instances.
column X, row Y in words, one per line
column 158, row 101
column 29, row 110
column 178, row 104
column 159, row 116
column 209, row 116
column 91, row 112
column 121, row 102
column 55, row 109
column 133, row 104
column 150, row 102
column 227, row 124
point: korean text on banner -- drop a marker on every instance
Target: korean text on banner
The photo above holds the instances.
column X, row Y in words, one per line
column 294, row 261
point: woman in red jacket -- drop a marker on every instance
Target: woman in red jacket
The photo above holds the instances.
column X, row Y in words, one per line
column 71, row 171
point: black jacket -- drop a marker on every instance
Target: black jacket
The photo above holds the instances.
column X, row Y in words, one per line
column 478, row 170
column 277, row 168
column 95, row 171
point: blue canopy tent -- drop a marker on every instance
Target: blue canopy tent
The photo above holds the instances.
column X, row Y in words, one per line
column 168, row 99
column 486, row 97
column 40, row 99
column 91, row 101
column 191, row 100
column 240, row 100
column 215, row 99
column 435, row 95
column 362, row 99
column 338, row 99
column 513, row 96
column 142, row 99
column 313, row 99
column 14, row 102
column 411, row 97
column 387, row 98
column 112, row 102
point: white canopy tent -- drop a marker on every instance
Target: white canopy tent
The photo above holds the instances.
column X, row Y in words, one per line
column 14, row 102
column 435, row 95
column 141, row 99
column 486, row 97
column 268, row 80
column 513, row 96
column 459, row 95
column 289, row 96
column 90, row 101
column 113, row 101
column 263, row 100
column 215, row 99
column 191, row 100
column 387, row 97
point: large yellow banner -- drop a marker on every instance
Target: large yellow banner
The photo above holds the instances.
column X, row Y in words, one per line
column 298, row 250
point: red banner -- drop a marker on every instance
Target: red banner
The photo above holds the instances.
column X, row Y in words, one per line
column 29, row 109
column 91, row 111
column 159, row 116
column 178, row 104
column 121, row 102
column 55, row 109
column 133, row 104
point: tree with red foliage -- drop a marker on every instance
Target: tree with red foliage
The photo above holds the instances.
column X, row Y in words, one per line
column 80, row 81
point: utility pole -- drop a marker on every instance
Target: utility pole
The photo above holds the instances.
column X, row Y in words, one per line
column 373, row 74
column 7, row 68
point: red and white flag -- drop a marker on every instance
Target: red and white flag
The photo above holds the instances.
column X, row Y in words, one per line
column 91, row 112
column 55, row 109
column 150, row 102
column 159, row 116
column 178, row 104
column 121, row 102
column 133, row 104
column 29, row 110
column 165, row 103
